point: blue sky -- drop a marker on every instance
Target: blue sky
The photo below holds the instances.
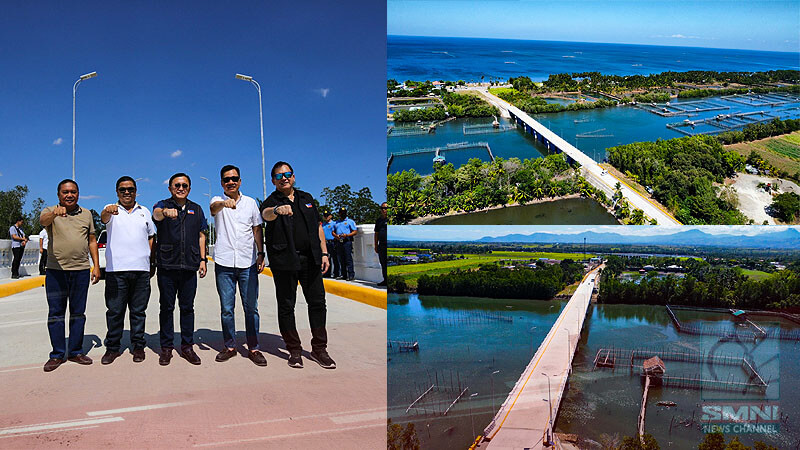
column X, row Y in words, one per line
column 739, row 24
column 469, row 233
column 166, row 100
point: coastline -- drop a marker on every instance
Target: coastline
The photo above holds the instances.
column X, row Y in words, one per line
column 425, row 219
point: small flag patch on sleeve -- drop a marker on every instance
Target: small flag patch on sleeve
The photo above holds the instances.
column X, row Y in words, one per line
column 309, row 205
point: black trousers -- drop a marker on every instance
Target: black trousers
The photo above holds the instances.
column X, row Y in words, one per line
column 333, row 260
column 310, row 278
column 182, row 283
column 382, row 257
column 129, row 289
column 17, row 252
column 43, row 262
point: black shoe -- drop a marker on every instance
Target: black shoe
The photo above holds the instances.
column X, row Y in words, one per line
column 225, row 355
column 165, row 356
column 80, row 359
column 138, row 355
column 189, row 355
column 13, row 277
column 52, row 364
column 257, row 358
column 382, row 283
column 295, row 360
column 323, row 359
column 109, row 357
column 351, row 278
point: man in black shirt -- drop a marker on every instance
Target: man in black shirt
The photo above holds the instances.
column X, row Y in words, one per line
column 380, row 239
column 297, row 252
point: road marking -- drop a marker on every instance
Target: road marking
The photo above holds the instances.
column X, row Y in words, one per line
column 21, row 368
column 283, row 436
column 57, row 425
column 138, row 408
column 38, row 311
column 312, row 416
column 51, row 431
column 365, row 417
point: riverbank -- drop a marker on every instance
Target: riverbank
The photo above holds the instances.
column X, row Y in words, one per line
column 548, row 202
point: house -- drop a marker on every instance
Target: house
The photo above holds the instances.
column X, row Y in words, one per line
column 654, row 367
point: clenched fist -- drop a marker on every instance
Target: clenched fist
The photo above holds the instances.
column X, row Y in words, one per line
column 172, row 213
column 111, row 209
column 60, row 211
column 284, row 210
column 229, row 203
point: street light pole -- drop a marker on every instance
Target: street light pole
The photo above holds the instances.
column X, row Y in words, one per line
column 74, row 92
column 210, row 233
column 470, row 414
column 493, row 373
column 261, row 118
column 549, row 411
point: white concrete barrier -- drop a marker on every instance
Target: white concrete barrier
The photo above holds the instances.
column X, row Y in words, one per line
column 30, row 258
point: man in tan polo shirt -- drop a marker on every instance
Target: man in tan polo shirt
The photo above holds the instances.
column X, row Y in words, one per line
column 72, row 236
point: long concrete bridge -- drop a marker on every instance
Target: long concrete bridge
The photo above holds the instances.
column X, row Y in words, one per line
column 592, row 172
column 526, row 417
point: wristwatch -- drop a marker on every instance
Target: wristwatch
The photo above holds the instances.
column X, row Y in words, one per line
column 275, row 210
column 326, row 254
column 261, row 254
column 204, row 259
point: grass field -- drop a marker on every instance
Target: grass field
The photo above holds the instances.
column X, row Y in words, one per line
column 755, row 275
column 782, row 152
column 411, row 272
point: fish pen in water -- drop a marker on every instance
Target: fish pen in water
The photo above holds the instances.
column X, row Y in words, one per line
column 402, row 346
column 437, row 395
column 772, row 99
column 487, row 128
column 410, row 131
column 720, row 123
column 471, row 318
column 749, row 332
column 681, row 108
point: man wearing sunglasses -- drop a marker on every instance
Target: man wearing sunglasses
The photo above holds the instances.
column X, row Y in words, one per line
column 297, row 253
column 130, row 234
column 330, row 244
column 180, row 252
column 238, row 258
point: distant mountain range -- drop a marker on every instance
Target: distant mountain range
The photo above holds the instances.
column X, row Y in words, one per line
column 789, row 239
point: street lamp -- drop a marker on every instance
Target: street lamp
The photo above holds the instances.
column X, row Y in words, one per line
column 211, row 231
column 470, row 414
column 493, row 373
column 261, row 117
column 549, row 411
column 75, row 91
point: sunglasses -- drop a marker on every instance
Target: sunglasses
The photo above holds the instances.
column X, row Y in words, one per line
column 229, row 179
column 127, row 190
column 180, row 185
column 279, row 176
column 384, row 207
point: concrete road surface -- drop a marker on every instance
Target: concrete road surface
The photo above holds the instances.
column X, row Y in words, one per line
column 234, row 404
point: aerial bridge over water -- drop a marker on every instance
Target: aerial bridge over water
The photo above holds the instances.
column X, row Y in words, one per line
column 527, row 416
column 592, row 171
column 438, row 151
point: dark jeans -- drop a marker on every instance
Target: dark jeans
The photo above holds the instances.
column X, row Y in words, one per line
column 227, row 278
column 310, row 278
column 66, row 287
column 382, row 257
column 17, row 252
column 345, row 253
column 131, row 289
column 333, row 260
column 43, row 262
column 182, row 283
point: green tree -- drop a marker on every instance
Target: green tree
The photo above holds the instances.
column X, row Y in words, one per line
column 401, row 438
column 786, row 206
column 360, row 206
column 634, row 443
column 12, row 203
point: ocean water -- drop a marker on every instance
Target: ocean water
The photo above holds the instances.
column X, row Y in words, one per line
column 469, row 59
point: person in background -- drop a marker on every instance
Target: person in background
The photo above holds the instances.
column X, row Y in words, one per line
column 297, row 252
column 238, row 258
column 380, row 239
column 130, row 234
column 72, row 237
column 18, row 241
column 180, row 253
column 327, row 227
column 43, row 243
column 344, row 231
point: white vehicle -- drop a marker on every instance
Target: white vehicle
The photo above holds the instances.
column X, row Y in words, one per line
column 101, row 252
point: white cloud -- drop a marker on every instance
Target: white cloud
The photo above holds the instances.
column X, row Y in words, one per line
column 323, row 92
column 680, row 36
column 90, row 197
column 176, row 153
column 146, row 180
column 58, row 141
column 166, row 182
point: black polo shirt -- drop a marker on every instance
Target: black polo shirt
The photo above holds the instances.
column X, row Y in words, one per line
column 177, row 243
column 287, row 236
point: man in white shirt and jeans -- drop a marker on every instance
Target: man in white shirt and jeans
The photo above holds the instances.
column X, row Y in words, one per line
column 130, row 233
column 238, row 258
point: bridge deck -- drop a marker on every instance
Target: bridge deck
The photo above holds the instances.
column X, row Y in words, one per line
column 524, row 416
column 234, row 404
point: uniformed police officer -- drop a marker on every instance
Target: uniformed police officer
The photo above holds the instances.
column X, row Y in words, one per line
column 327, row 228
column 344, row 230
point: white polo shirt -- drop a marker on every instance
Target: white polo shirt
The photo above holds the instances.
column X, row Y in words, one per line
column 127, row 245
column 235, row 245
column 45, row 239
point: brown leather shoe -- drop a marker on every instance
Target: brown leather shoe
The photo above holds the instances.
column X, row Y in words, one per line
column 189, row 355
column 109, row 357
column 165, row 357
column 80, row 359
column 225, row 355
column 52, row 364
column 257, row 358
column 138, row 355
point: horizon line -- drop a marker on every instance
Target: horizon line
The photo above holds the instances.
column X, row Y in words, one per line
column 593, row 42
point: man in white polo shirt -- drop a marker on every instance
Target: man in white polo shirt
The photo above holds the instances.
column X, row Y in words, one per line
column 238, row 258
column 130, row 233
